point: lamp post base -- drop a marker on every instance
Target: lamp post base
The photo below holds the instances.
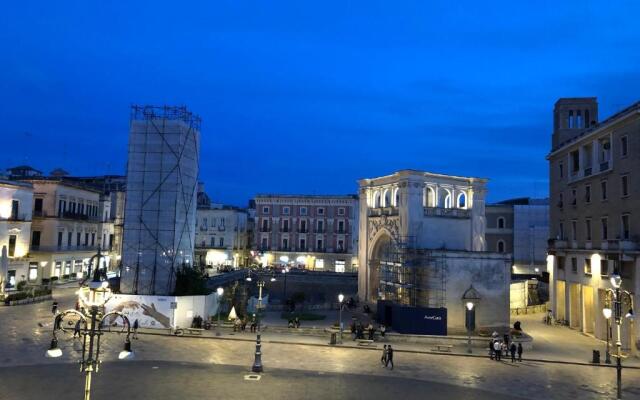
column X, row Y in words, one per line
column 257, row 363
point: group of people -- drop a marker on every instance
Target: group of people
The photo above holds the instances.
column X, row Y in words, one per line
column 387, row 356
column 358, row 330
column 294, row 323
column 499, row 347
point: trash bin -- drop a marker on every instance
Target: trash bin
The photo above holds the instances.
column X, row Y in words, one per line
column 596, row 357
column 333, row 338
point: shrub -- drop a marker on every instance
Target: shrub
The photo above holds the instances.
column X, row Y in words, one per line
column 54, row 278
column 20, row 286
column 16, row 297
column 45, row 281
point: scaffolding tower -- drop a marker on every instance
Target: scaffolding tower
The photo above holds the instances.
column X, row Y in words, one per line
column 412, row 276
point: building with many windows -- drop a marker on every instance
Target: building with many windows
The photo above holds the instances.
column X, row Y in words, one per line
column 307, row 231
column 594, row 212
column 16, row 199
column 520, row 227
column 222, row 234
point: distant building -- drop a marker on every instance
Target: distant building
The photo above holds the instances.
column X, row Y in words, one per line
column 16, row 199
column 520, row 227
column 594, row 212
column 161, row 198
column 222, row 234
column 307, row 231
column 422, row 244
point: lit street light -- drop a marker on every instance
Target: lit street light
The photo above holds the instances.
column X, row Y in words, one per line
column 607, row 314
column 470, row 298
column 617, row 297
column 340, row 300
column 93, row 296
column 220, row 292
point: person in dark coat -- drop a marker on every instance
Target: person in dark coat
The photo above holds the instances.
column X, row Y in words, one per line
column 76, row 329
column 383, row 359
column 491, row 349
column 389, row 356
column 520, row 352
column 54, row 308
column 136, row 325
column 512, row 349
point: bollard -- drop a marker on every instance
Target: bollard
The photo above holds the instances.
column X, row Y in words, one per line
column 596, row 357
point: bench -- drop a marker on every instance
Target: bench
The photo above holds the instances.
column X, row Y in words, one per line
column 443, row 347
column 194, row 331
column 365, row 342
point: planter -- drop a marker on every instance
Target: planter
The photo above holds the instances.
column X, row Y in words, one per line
column 30, row 300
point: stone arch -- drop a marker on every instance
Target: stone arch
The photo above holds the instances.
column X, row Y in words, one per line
column 461, row 201
column 386, row 198
column 376, row 199
column 396, row 197
column 430, row 197
column 446, row 198
column 379, row 245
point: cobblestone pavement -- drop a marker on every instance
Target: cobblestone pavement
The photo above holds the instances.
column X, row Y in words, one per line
column 24, row 343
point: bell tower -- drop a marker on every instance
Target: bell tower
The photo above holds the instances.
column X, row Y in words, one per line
column 571, row 117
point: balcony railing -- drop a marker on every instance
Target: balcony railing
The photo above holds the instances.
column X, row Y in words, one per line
column 62, row 248
column 587, row 171
column 604, row 165
column 619, row 245
column 446, row 212
column 265, row 229
column 303, row 230
column 558, row 243
column 16, row 218
column 380, row 211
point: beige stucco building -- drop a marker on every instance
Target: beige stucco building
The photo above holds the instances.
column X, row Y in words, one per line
column 594, row 212
column 15, row 230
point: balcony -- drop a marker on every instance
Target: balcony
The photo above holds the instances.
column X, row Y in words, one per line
column 558, row 244
column 619, row 245
column 378, row 212
column 265, row 229
column 303, row 230
column 16, row 218
column 604, row 165
column 446, row 212
column 285, row 230
column 340, row 231
column 587, row 171
column 58, row 249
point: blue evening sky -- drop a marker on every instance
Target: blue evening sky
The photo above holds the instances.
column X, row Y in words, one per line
column 308, row 97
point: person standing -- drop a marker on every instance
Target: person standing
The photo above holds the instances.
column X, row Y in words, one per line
column 520, row 352
column 383, row 329
column 491, row 349
column 512, row 349
column 76, row 329
column 389, row 356
column 383, row 359
column 135, row 328
column 54, row 308
column 497, row 349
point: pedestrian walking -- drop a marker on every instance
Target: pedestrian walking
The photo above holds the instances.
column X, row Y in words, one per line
column 370, row 331
column 497, row 348
column 491, row 342
column 136, row 325
column 520, row 352
column 383, row 359
column 76, row 329
column 389, row 356
column 505, row 349
column 383, row 330
column 513, row 352
column 54, row 308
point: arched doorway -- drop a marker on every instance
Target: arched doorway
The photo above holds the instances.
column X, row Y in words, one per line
column 380, row 251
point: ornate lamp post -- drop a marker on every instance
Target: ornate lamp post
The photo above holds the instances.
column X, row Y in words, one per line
column 340, row 300
column 618, row 297
column 257, row 363
column 220, row 292
column 470, row 298
column 93, row 297
column 607, row 315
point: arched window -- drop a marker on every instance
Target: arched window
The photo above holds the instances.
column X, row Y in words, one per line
column 578, row 119
column 500, row 222
column 396, row 197
column 429, row 197
column 586, row 119
column 387, row 198
column 570, row 120
column 500, row 246
column 376, row 199
column 447, row 200
column 462, row 200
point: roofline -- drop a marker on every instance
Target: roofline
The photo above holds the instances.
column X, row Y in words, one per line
column 401, row 172
column 630, row 111
column 8, row 182
column 60, row 181
column 308, row 196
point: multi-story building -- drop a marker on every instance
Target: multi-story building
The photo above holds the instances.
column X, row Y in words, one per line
column 422, row 245
column 520, row 227
column 307, row 231
column 160, row 210
column 222, row 235
column 16, row 199
column 594, row 212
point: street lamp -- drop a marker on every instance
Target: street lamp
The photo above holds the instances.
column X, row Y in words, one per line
column 470, row 298
column 607, row 315
column 257, row 362
column 617, row 297
column 220, row 292
column 284, row 294
column 93, row 296
column 340, row 300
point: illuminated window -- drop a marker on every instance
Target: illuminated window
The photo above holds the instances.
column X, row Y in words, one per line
column 33, row 271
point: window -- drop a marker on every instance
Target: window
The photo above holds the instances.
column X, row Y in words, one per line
column 303, row 244
column 561, row 200
column 265, row 225
column 285, row 210
column 319, row 245
column 204, row 224
column 587, row 194
column 69, row 238
column 560, row 261
column 59, row 239
column 561, row 231
column 264, row 243
column 212, row 241
column 285, row 225
column 265, row 210
column 603, row 190
column 376, row 200
column 574, row 200
column 340, row 265
column 587, row 266
column 500, row 246
column 625, row 185
column 303, row 210
column 319, row 263
column 320, row 226
column 12, row 245
column 86, row 239
column 58, row 269
column 561, row 169
column 604, row 228
column 574, row 156
column 33, row 271
column 340, row 226
column 624, row 146
column 447, row 200
column 587, row 228
column 35, row 239
column 37, row 207
column 431, row 197
column 15, row 207
column 341, row 211
column 625, row 227
column 303, row 226
column 396, row 198
column 93, row 239
column 574, row 265
column 320, row 211
column 501, row 223
column 462, row 200
column 221, row 242
column 78, row 236
column 604, row 267
column 574, row 230
column 340, row 245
